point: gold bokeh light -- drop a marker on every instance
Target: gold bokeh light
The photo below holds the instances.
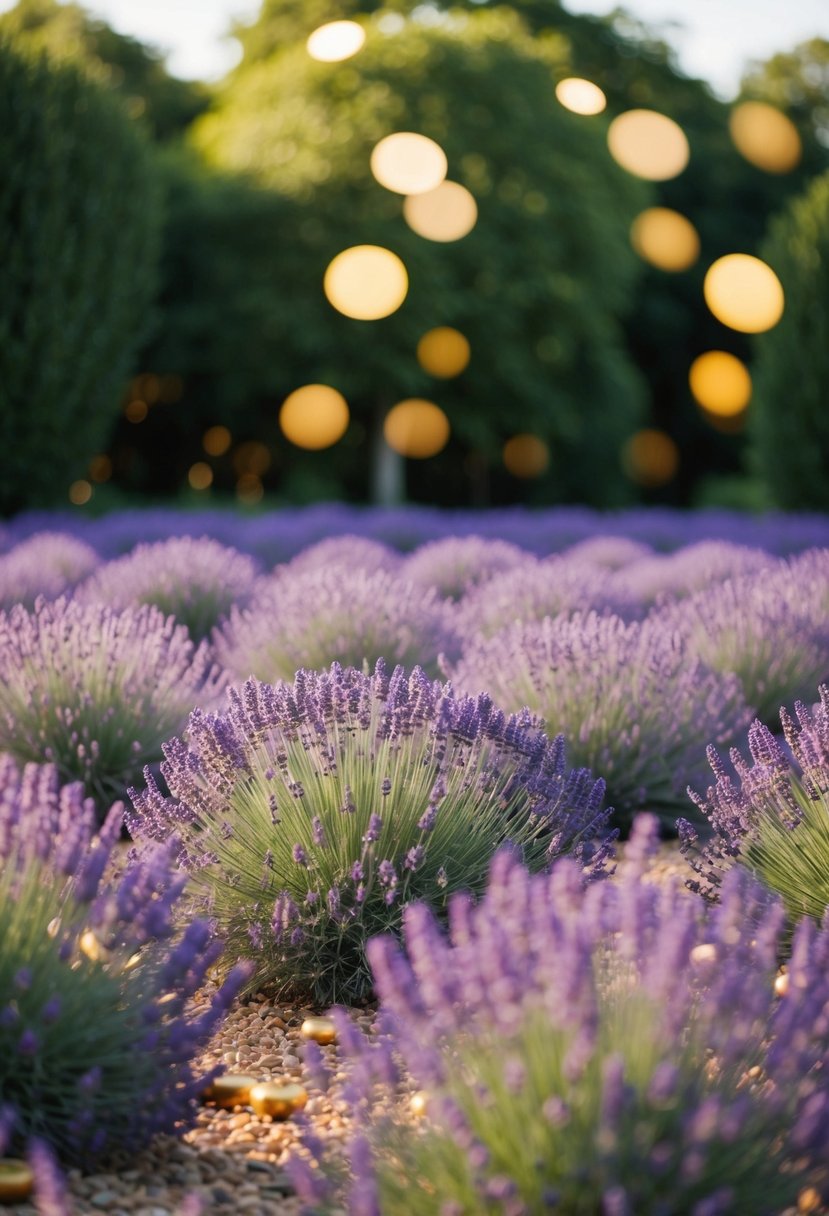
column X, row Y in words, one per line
column 443, row 352
column 100, row 468
column 416, row 428
column 80, row 492
column 447, row 213
column 765, row 136
column 720, row 383
column 249, row 489
column 744, row 293
column 200, row 475
column 335, row 41
column 665, row 238
column 580, row 96
column 366, row 282
column 648, row 145
column 408, row 163
column 526, row 456
column 650, row 458
column 314, row 417
column 252, row 456
column 216, row 440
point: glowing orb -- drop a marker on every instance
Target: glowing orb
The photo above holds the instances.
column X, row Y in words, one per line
column 408, row 163
column 720, row 382
column 765, row 136
column 446, row 213
column 366, row 282
column 650, row 458
column 665, row 238
column 443, row 352
column 648, row 145
column 580, row 96
column 335, row 41
column 416, row 428
column 526, row 456
column 216, row 440
column 314, row 417
column 744, row 293
column 200, row 475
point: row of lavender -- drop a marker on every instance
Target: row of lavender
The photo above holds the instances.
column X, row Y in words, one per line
column 279, row 535
column 638, row 1034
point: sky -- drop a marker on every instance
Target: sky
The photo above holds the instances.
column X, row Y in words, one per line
column 714, row 39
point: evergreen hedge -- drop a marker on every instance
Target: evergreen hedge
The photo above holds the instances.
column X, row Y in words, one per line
column 79, row 227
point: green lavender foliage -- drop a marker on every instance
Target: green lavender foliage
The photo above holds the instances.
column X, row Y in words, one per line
column 79, row 226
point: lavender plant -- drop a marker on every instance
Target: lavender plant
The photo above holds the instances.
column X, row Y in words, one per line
column 694, row 567
column 770, row 628
column 770, row 815
column 50, row 564
column 457, row 564
column 634, row 703
column 196, row 581
column 533, row 591
column 611, row 552
column 347, row 551
column 612, row 1052
column 310, row 815
column 98, row 1031
column 96, row 692
column 315, row 617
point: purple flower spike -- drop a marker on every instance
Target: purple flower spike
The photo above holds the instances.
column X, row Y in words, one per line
column 96, row 692
column 576, row 1052
column 454, row 777
column 91, row 960
column 633, row 702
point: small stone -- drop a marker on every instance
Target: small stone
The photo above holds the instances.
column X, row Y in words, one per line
column 103, row 1199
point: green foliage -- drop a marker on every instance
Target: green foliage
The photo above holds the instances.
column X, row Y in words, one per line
column 537, row 287
column 790, row 427
column 79, row 218
column 134, row 72
column 798, row 82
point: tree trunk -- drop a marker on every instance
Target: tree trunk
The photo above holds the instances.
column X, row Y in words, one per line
column 388, row 470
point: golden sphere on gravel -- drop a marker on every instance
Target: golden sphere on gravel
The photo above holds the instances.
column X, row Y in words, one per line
column 321, row 1030
column 278, row 1099
column 233, row 1089
column 16, row 1181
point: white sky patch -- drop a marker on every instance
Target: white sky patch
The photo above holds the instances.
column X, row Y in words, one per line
column 714, row 39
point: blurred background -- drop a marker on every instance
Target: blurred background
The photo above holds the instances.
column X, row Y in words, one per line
column 470, row 254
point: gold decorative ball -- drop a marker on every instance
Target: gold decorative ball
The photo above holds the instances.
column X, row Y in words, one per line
column 279, row 1099
column 781, row 984
column 16, row 1181
column 321, row 1030
column 419, row 1102
column 233, row 1089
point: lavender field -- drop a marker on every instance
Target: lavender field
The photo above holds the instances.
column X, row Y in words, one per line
column 407, row 861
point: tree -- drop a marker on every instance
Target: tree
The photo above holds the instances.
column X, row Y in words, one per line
column 798, row 82
column 133, row 71
column 790, row 424
column 539, row 285
column 79, row 222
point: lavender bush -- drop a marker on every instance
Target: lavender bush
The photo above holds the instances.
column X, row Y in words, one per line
column 770, row 815
column 196, row 581
column 348, row 551
column 609, row 1052
column 97, row 1027
column 770, row 628
column 457, row 564
column 315, row 617
column 633, row 702
column 310, row 815
column 694, row 567
column 50, row 564
column 533, row 591
column 96, row 692
column 611, row 552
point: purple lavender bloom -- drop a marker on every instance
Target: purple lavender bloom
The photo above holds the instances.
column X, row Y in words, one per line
column 608, row 552
column 663, row 578
column 769, row 627
column 770, row 813
column 535, row 590
column 695, row 1083
column 96, row 692
column 310, row 618
column 457, row 564
column 196, row 581
column 348, row 552
column 634, row 704
column 48, row 564
column 341, row 733
column 102, row 959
